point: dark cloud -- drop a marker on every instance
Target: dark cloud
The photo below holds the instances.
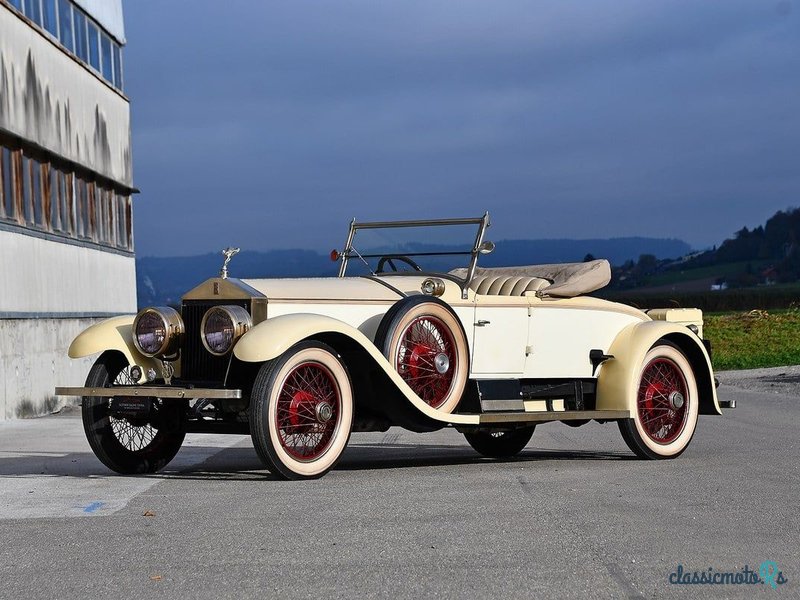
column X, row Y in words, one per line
column 272, row 124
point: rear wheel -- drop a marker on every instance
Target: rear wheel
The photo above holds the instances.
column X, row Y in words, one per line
column 301, row 411
column 130, row 444
column 666, row 405
column 500, row 444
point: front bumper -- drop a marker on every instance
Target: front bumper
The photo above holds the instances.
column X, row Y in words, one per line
column 150, row 391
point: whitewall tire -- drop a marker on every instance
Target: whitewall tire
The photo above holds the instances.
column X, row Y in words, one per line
column 301, row 411
column 666, row 405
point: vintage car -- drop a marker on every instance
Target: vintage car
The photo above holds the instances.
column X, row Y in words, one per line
column 412, row 340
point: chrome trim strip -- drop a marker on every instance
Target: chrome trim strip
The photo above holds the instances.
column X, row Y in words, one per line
column 150, row 392
column 568, row 415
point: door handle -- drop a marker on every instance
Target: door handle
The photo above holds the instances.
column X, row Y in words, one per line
column 482, row 323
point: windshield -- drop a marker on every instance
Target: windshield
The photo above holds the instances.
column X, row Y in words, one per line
column 411, row 246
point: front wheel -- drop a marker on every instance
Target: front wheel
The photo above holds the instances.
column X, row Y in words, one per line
column 124, row 443
column 301, row 411
column 666, row 405
column 500, row 444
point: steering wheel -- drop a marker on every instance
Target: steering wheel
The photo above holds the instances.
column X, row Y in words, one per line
column 390, row 261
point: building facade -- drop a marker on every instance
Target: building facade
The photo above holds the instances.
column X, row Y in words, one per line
column 66, row 238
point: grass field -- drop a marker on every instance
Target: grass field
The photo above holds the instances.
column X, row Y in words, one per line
column 754, row 339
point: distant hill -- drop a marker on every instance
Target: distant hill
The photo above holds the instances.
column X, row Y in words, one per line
column 162, row 280
column 764, row 256
column 615, row 250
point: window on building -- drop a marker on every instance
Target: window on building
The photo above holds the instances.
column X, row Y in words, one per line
column 7, row 189
column 117, row 66
column 52, row 189
column 105, row 50
column 81, row 43
column 37, row 198
column 78, row 34
column 49, row 16
column 94, row 46
column 65, row 196
column 33, row 9
column 27, row 205
column 79, row 185
column 92, row 212
column 37, row 194
column 119, row 208
column 65, row 24
column 45, row 177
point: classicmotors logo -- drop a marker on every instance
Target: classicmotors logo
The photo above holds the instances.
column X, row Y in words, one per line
column 767, row 574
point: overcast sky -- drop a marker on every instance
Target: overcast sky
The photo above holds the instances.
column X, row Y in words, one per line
column 272, row 124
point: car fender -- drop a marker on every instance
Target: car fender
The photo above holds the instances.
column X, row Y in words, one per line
column 618, row 378
column 271, row 338
column 115, row 333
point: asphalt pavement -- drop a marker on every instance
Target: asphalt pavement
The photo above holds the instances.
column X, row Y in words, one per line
column 414, row 515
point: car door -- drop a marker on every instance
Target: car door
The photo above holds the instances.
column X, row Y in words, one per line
column 500, row 336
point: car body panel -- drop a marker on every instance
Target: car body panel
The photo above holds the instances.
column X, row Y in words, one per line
column 561, row 338
column 111, row 334
column 618, row 378
column 500, row 338
column 273, row 337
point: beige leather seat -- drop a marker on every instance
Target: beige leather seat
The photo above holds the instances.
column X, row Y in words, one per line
column 507, row 285
column 563, row 280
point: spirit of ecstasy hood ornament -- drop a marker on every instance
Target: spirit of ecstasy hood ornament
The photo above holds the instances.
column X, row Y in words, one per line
column 228, row 253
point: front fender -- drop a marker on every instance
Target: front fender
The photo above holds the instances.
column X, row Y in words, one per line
column 618, row 380
column 271, row 338
column 112, row 334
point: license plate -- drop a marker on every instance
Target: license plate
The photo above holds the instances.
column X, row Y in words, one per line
column 129, row 406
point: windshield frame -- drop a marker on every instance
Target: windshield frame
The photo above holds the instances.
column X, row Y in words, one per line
column 482, row 222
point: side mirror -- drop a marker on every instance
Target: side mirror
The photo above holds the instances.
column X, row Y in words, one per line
column 486, row 248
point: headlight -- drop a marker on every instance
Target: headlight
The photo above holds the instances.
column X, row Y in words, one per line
column 157, row 331
column 222, row 326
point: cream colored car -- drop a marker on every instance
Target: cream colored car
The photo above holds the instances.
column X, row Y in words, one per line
column 411, row 333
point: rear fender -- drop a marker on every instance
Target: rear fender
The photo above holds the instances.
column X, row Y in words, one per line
column 618, row 378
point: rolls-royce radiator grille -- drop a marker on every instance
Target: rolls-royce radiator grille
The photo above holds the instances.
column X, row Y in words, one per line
column 197, row 363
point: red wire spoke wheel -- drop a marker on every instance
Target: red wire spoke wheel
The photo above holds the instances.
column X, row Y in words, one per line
column 426, row 359
column 666, row 405
column 424, row 341
column 308, row 411
column 301, row 411
column 661, row 401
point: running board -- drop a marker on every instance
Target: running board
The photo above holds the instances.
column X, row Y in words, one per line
column 545, row 416
column 512, row 394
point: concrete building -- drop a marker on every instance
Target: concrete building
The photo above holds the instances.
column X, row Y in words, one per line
column 66, row 240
